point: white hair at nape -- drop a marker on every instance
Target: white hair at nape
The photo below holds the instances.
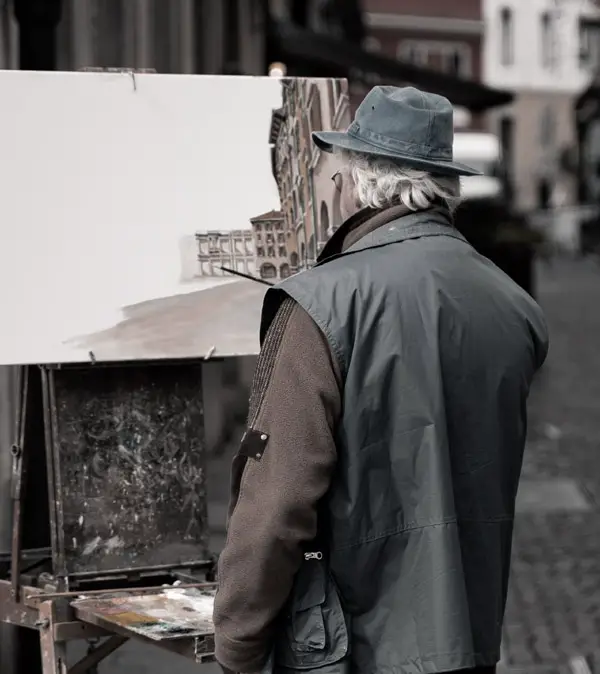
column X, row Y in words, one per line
column 380, row 183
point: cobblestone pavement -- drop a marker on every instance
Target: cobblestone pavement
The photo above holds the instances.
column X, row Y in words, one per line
column 553, row 611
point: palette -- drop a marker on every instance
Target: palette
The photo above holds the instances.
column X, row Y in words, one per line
column 171, row 614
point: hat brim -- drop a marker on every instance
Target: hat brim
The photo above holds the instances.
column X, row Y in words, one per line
column 329, row 140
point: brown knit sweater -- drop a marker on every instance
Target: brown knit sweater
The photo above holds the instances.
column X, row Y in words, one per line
column 282, row 470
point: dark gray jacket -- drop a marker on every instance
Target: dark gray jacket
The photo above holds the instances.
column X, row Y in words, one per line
column 437, row 349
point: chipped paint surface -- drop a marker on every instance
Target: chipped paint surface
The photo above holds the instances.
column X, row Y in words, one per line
column 131, row 465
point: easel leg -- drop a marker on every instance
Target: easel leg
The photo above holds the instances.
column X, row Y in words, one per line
column 54, row 653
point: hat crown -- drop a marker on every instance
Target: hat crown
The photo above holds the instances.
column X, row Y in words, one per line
column 406, row 119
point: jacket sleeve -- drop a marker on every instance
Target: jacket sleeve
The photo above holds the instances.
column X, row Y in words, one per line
column 282, row 470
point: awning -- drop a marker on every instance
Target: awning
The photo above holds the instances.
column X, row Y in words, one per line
column 310, row 54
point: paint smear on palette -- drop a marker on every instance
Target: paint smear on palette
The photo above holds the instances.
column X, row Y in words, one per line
column 172, row 614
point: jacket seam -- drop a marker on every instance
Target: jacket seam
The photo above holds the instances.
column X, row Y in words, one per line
column 332, row 341
column 235, row 507
column 418, row 527
column 412, row 235
column 267, row 361
column 252, row 422
column 322, row 325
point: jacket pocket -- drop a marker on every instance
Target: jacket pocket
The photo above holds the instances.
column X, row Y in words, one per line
column 314, row 632
column 307, row 619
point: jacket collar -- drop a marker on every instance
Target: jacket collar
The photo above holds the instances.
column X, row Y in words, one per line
column 371, row 228
column 354, row 228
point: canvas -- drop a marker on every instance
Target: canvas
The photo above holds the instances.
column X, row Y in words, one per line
column 130, row 201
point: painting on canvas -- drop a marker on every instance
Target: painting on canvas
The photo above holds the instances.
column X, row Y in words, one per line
column 145, row 215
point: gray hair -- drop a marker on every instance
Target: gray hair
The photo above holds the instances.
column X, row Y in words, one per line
column 379, row 183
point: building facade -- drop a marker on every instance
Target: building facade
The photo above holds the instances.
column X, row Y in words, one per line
column 272, row 261
column 443, row 36
column 169, row 36
column 310, row 201
column 546, row 51
column 233, row 250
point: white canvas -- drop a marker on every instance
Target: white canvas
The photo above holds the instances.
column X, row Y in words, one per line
column 110, row 185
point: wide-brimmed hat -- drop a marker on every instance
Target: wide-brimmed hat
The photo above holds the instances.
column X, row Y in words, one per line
column 410, row 127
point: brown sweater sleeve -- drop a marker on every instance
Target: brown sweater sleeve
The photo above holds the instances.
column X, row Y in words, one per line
column 282, row 470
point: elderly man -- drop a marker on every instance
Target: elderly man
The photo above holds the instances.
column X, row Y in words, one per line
column 374, row 490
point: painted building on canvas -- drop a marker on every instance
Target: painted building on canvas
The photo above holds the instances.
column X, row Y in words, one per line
column 309, row 199
column 271, row 256
column 234, row 250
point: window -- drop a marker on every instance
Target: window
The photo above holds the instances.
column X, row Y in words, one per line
column 312, row 251
column 584, row 45
column 260, row 251
column 507, row 38
column 315, row 111
column 449, row 57
column 282, row 252
column 331, row 96
column 270, row 251
column 547, row 127
column 280, row 237
column 337, row 92
column 457, row 61
column 412, row 52
column 589, row 43
column 507, row 137
column 305, row 127
column 268, row 270
column 548, row 40
column 372, row 44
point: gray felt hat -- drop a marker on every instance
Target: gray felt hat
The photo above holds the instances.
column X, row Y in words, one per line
column 410, row 127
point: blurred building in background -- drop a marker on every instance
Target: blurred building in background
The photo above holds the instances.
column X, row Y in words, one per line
column 445, row 37
column 170, row 36
column 546, row 52
column 313, row 38
column 587, row 110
